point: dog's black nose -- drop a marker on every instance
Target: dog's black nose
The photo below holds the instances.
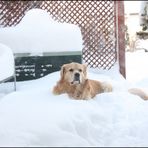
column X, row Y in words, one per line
column 77, row 76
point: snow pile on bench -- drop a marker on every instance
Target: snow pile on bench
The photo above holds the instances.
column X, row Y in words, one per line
column 38, row 32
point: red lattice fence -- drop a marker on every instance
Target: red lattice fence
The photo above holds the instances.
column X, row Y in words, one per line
column 101, row 27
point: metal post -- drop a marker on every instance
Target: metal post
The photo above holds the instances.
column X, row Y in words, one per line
column 14, row 82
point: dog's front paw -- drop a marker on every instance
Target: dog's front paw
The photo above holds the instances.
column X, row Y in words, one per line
column 55, row 91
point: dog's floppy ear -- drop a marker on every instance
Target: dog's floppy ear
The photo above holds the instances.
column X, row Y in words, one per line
column 85, row 69
column 62, row 71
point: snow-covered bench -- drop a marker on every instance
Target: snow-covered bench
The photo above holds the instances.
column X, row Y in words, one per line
column 7, row 66
column 41, row 40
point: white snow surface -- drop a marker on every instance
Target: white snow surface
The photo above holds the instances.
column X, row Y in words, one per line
column 33, row 116
column 38, row 32
column 136, row 65
column 6, row 62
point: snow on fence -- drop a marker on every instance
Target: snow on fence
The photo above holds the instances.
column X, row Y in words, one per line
column 101, row 24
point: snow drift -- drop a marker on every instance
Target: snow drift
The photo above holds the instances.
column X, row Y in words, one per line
column 33, row 116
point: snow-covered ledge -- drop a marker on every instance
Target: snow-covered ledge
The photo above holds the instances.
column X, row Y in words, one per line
column 39, row 34
column 7, row 67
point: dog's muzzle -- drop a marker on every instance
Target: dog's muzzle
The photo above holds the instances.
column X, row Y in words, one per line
column 76, row 79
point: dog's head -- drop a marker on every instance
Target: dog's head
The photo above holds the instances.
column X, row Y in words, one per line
column 74, row 73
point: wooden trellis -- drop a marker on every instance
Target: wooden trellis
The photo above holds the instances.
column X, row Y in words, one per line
column 101, row 24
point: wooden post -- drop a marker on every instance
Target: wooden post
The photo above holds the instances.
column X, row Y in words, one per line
column 121, row 37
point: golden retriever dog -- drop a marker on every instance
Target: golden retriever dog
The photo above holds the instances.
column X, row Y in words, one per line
column 75, row 83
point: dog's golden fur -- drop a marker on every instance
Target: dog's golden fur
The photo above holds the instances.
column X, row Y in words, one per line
column 75, row 83
column 138, row 92
column 79, row 89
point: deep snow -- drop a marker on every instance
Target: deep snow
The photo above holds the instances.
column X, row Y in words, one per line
column 33, row 116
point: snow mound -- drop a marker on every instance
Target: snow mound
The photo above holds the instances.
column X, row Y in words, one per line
column 38, row 32
column 33, row 116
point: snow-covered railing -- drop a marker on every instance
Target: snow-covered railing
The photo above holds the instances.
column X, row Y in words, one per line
column 7, row 66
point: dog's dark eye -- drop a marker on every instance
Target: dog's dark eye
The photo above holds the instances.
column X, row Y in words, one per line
column 71, row 70
column 80, row 70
